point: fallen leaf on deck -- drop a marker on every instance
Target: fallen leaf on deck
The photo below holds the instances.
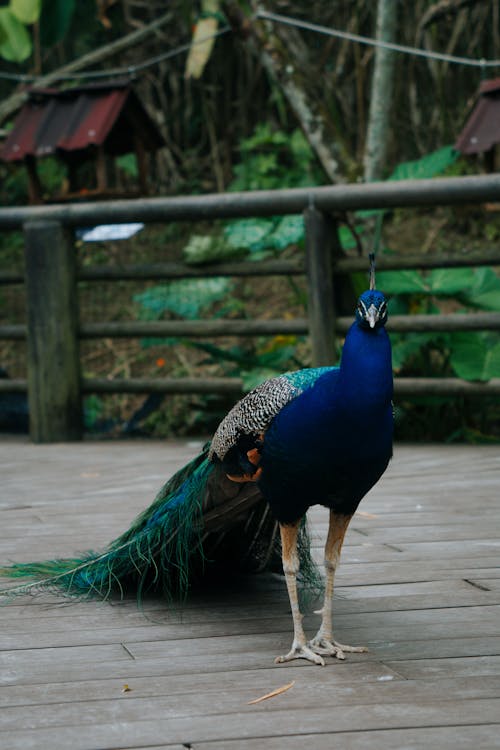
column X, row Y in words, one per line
column 278, row 691
column 126, row 689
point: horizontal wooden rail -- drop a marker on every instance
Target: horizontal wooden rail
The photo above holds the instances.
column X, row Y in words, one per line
column 234, row 386
column 51, row 279
column 445, row 387
column 296, row 326
column 221, row 386
column 445, row 191
column 194, row 328
column 275, row 327
column 295, row 267
column 13, row 332
column 186, row 271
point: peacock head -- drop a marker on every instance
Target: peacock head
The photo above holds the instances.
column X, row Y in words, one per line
column 371, row 310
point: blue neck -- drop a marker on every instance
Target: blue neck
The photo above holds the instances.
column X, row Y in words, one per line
column 366, row 366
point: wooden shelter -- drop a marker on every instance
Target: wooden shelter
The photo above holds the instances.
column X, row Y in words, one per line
column 481, row 132
column 86, row 127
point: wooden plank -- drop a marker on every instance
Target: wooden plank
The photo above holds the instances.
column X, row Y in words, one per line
column 78, row 631
column 440, row 667
column 444, row 738
column 432, row 674
column 264, row 722
column 220, row 691
column 139, row 703
column 248, row 684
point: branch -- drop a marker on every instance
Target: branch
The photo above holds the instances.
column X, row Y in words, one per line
column 284, row 59
column 16, row 100
column 441, row 9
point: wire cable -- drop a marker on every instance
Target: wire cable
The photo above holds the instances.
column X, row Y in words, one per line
column 129, row 70
column 403, row 48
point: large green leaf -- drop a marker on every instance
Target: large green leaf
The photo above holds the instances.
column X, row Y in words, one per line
column 55, row 21
column 445, row 282
column 428, row 166
column 15, row 42
column 248, row 233
column 203, row 248
column 186, row 297
column 289, row 231
column 484, row 290
column 401, row 282
column 474, row 356
column 256, row 235
column 406, row 347
column 26, row 11
column 478, row 287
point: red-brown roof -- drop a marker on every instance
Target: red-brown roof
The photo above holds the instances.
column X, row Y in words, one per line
column 70, row 120
column 482, row 130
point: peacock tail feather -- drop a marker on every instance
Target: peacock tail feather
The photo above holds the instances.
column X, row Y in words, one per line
column 199, row 520
column 154, row 553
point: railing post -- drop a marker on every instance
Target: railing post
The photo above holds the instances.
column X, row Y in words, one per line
column 320, row 236
column 52, row 309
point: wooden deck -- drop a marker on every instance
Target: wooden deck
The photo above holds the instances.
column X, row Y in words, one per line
column 419, row 584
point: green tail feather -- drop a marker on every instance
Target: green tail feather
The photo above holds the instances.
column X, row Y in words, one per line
column 161, row 551
column 156, row 552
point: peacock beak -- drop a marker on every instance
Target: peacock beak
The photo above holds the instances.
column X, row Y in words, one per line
column 372, row 316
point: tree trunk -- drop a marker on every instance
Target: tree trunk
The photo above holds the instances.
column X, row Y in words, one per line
column 381, row 94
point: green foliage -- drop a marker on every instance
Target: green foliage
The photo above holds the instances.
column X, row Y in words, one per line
column 54, row 18
column 186, row 298
column 475, row 356
column 475, row 287
column 427, row 166
column 468, row 355
column 92, row 411
column 259, row 235
column 15, row 42
column 13, row 186
column 255, row 362
column 26, row 11
column 205, row 248
column 55, row 21
column 128, row 164
column 14, row 181
column 52, row 172
column 272, row 159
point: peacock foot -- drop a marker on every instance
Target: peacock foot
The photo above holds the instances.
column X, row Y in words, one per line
column 321, row 645
column 300, row 651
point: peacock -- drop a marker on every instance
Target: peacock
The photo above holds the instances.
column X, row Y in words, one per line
column 315, row 436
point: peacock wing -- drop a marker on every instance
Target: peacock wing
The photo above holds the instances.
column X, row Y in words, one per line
column 241, row 432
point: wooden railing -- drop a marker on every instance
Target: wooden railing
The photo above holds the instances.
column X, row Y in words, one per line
column 52, row 331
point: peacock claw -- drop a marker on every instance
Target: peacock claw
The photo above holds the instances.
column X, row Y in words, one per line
column 301, row 652
column 326, row 647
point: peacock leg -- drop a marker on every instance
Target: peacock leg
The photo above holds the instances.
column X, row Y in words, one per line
column 323, row 642
column 300, row 649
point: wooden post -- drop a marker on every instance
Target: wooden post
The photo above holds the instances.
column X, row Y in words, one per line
column 35, row 189
column 53, row 358
column 320, row 232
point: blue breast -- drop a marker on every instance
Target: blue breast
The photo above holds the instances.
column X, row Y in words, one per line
column 333, row 442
